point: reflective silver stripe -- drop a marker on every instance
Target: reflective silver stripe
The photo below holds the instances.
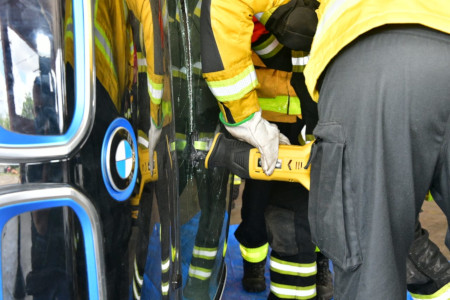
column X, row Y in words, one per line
column 291, row 291
column 198, row 8
column 179, row 72
column 197, row 68
column 300, row 61
column 155, row 91
column 164, row 288
column 69, row 26
column 269, row 48
column 165, row 265
column 142, row 62
column 104, row 45
column 297, row 269
column 143, row 141
column 259, row 15
column 235, row 88
column 137, row 276
column 135, row 291
column 199, row 273
column 204, row 252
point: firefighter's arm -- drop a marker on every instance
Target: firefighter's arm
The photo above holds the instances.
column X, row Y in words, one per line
column 270, row 51
column 294, row 23
column 155, row 69
column 153, row 45
column 226, row 31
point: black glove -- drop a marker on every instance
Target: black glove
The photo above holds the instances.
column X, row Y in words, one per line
column 294, row 24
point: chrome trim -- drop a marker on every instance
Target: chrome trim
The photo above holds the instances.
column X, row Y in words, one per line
column 32, row 193
column 84, row 91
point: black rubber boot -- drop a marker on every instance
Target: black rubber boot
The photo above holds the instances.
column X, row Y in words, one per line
column 324, row 279
column 253, row 280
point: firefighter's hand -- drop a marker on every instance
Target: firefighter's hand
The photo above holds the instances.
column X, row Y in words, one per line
column 154, row 134
column 263, row 135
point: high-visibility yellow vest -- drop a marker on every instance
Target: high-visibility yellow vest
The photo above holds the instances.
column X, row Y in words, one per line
column 342, row 21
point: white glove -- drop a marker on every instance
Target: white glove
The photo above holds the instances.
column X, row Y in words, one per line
column 263, row 135
column 154, row 134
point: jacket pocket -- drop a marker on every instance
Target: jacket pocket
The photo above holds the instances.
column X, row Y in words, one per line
column 332, row 204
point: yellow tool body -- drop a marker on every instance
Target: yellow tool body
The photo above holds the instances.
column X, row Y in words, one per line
column 290, row 165
column 145, row 176
column 244, row 160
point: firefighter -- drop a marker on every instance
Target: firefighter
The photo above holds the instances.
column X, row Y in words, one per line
column 381, row 70
column 230, row 73
column 157, row 125
column 196, row 124
column 280, row 105
column 114, row 75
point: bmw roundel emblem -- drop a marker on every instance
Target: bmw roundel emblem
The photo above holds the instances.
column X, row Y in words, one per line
column 119, row 159
column 124, row 159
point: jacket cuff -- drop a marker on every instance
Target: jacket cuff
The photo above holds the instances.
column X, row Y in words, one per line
column 156, row 114
column 239, row 110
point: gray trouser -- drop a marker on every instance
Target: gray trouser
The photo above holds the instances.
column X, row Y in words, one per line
column 382, row 143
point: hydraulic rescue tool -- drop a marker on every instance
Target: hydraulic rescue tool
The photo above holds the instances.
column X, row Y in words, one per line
column 145, row 176
column 244, row 160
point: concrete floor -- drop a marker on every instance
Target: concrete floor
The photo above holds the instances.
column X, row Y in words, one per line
column 432, row 219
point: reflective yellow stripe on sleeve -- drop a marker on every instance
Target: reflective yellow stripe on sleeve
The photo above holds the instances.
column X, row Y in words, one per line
column 299, row 60
column 103, row 43
column 234, row 88
column 268, row 48
column 142, row 62
column 281, row 104
column 263, row 17
column 155, row 90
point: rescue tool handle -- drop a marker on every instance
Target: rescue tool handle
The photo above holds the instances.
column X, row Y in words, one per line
column 244, row 160
column 231, row 154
